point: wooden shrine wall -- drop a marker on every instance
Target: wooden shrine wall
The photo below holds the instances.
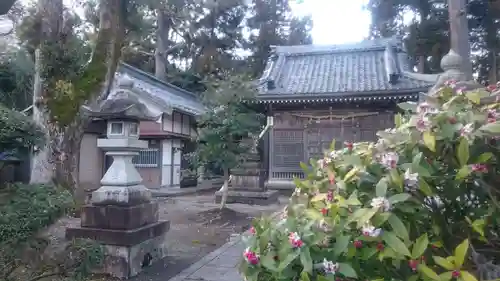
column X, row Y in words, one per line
column 299, row 136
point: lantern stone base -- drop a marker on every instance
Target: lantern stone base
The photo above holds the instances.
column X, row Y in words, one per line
column 127, row 261
column 132, row 236
column 249, row 197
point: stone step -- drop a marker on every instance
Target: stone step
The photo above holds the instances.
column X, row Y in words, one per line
column 249, row 197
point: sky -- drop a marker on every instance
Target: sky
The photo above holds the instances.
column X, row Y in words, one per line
column 334, row 21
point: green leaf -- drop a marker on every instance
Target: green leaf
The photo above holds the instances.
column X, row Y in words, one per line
column 306, row 260
column 398, row 120
column 332, row 145
column 353, row 200
column 289, row 259
column 491, row 128
column 413, row 277
column 461, row 252
column 463, row 173
column 478, row 226
column 474, row 97
column 347, row 270
column 420, row 246
column 444, row 263
column 350, row 175
column 401, row 197
column 395, row 243
column 424, row 187
column 304, row 276
column 398, row 227
column 341, row 243
column 428, row 272
column 466, row 276
column 430, row 141
column 323, row 278
column 269, row 262
column 366, row 217
column 381, row 188
column 304, row 166
column 483, row 158
column 463, row 152
column 446, row 276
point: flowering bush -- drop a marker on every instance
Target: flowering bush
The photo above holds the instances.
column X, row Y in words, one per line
column 411, row 206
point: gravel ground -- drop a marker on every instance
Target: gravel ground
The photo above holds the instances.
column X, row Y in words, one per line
column 197, row 228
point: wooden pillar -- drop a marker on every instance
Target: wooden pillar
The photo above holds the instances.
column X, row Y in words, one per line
column 269, row 145
column 459, row 32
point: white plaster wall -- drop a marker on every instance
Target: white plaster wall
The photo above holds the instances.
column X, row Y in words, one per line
column 178, row 123
column 166, row 168
column 177, row 163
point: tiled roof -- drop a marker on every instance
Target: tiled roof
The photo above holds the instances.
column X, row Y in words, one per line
column 164, row 94
column 338, row 71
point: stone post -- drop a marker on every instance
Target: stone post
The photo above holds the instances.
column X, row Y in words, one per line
column 121, row 215
column 247, row 185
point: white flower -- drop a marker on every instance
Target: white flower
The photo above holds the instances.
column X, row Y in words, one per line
column 467, row 130
column 321, row 163
column 492, row 113
column 381, row 203
column 370, row 230
column 411, row 179
column 330, row 267
column 390, row 160
column 425, row 108
column 294, row 236
column 323, row 225
column 423, row 124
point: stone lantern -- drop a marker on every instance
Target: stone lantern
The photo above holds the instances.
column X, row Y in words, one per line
column 121, row 215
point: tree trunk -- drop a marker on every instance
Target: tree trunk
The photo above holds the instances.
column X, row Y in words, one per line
column 161, row 44
column 58, row 161
column 42, row 168
column 225, row 189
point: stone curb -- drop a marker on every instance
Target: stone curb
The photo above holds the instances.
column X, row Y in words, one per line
column 180, row 192
column 208, row 258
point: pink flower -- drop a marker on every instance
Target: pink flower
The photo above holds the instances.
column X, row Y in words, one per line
column 252, row 230
column 491, row 88
column 329, row 196
column 480, row 168
column 251, row 257
column 461, row 90
column 423, row 124
column 450, row 82
column 295, row 240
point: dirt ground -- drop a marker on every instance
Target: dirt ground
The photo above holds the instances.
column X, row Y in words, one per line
column 196, row 229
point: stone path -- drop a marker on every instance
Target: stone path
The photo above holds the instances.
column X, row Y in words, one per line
column 220, row 265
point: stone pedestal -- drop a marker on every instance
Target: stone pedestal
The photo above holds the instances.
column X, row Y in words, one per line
column 121, row 215
column 247, row 185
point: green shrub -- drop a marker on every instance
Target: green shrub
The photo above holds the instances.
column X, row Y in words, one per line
column 24, row 211
column 18, row 132
column 407, row 207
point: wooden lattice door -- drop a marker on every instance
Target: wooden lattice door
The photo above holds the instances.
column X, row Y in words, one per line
column 320, row 136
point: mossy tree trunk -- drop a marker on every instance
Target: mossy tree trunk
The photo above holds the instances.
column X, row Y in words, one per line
column 57, row 101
